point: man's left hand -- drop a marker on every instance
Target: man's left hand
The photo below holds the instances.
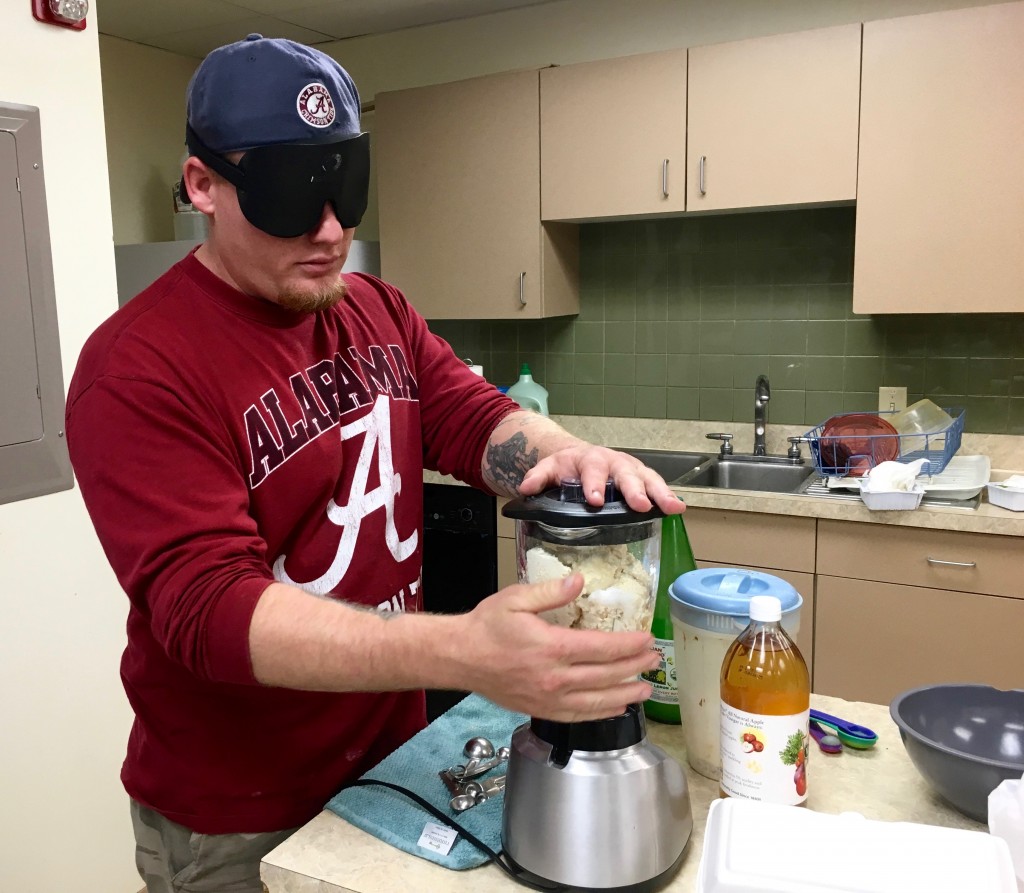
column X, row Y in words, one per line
column 594, row 466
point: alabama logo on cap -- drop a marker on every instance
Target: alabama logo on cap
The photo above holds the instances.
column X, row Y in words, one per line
column 315, row 105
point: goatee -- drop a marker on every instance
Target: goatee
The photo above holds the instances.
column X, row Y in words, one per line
column 313, row 301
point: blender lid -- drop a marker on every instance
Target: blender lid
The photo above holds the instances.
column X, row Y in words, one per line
column 566, row 506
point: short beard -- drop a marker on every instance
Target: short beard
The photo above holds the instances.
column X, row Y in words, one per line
column 313, row 301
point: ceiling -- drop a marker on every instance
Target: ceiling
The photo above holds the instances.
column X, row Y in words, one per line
column 194, row 27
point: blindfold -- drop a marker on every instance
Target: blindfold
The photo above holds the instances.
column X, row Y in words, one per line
column 282, row 189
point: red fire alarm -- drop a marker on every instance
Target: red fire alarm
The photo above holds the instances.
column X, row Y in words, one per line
column 66, row 13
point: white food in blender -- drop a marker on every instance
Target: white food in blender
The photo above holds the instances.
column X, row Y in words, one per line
column 616, row 588
column 614, row 609
column 567, row 615
column 542, row 566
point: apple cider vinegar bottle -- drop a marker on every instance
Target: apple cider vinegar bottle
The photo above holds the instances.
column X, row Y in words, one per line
column 766, row 700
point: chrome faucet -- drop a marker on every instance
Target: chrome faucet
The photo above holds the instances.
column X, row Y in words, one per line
column 762, row 394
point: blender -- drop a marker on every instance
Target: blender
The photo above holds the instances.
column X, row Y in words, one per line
column 593, row 805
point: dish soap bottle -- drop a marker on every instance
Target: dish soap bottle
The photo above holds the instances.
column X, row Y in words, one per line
column 766, row 700
column 528, row 394
column 676, row 559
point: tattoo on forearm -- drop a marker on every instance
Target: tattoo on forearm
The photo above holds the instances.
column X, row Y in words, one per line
column 508, row 462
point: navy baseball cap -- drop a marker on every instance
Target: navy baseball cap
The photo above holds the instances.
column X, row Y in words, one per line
column 267, row 91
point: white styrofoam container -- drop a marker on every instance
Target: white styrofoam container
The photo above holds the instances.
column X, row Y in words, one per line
column 1006, row 497
column 753, row 847
column 892, row 500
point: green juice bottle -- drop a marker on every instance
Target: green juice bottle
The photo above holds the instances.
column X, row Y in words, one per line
column 676, row 559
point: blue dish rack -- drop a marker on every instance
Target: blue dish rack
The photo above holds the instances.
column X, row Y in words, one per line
column 937, row 447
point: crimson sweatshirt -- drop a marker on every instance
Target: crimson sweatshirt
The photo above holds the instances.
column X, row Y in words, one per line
column 221, row 443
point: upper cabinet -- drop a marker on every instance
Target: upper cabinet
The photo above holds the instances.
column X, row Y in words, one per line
column 940, row 201
column 918, row 119
column 773, row 121
column 613, row 137
column 458, row 167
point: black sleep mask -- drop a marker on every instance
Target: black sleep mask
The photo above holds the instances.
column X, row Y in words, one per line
column 282, row 189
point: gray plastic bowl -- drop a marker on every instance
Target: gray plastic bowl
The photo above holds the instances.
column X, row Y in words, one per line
column 964, row 739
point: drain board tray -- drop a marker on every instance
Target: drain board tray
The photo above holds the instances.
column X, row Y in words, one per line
column 818, row 487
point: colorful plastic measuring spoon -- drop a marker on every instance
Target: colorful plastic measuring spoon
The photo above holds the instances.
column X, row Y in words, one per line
column 828, row 742
column 851, row 734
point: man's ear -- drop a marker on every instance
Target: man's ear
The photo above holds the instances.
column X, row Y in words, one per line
column 199, row 182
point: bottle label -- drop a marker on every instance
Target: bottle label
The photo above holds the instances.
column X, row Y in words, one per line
column 663, row 677
column 765, row 757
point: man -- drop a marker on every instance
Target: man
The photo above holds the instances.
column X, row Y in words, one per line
column 249, row 435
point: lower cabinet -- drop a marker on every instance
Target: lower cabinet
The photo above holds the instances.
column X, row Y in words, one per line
column 507, row 572
column 875, row 640
column 779, row 545
column 902, row 607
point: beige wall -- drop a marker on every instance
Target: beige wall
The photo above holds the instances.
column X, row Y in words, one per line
column 144, row 102
column 582, row 30
column 64, row 821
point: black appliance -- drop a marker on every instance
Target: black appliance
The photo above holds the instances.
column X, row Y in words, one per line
column 460, row 560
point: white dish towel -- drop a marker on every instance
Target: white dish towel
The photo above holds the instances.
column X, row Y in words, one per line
column 893, row 477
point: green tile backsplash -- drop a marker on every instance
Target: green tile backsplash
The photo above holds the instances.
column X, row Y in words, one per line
column 678, row 317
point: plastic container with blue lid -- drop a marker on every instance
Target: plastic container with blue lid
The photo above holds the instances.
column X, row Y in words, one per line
column 710, row 608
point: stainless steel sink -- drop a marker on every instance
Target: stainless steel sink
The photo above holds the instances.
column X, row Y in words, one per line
column 769, row 474
column 670, row 464
column 765, row 474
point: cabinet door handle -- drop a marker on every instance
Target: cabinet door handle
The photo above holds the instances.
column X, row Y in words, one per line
column 522, row 289
column 700, row 175
column 664, row 178
column 952, row 563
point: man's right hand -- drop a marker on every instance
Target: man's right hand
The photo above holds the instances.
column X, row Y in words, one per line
column 524, row 663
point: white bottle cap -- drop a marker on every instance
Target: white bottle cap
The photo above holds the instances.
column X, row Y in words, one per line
column 765, row 608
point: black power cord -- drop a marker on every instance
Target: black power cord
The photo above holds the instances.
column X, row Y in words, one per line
column 498, row 858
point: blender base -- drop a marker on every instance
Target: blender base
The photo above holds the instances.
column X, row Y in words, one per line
column 652, row 885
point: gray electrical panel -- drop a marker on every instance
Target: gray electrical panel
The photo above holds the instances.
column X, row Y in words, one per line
column 33, row 452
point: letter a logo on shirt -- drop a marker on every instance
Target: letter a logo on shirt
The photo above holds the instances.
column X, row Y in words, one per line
column 376, row 426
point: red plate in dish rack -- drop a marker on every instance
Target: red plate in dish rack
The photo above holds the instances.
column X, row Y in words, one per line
column 858, row 440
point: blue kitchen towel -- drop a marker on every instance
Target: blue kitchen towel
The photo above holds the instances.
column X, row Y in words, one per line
column 397, row 820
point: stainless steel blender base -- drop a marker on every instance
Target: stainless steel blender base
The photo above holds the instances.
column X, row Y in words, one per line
column 652, row 886
column 605, row 820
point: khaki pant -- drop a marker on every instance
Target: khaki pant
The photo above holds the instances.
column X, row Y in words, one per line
column 174, row 859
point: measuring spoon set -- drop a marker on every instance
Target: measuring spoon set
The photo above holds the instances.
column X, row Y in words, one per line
column 481, row 757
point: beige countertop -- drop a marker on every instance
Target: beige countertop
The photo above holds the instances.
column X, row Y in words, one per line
column 1005, row 452
column 329, row 855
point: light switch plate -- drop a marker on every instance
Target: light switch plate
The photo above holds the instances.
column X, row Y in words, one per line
column 892, row 399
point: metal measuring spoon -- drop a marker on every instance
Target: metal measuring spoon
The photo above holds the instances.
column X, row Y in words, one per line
column 476, row 767
column 472, row 794
column 462, row 802
column 475, row 793
column 478, row 749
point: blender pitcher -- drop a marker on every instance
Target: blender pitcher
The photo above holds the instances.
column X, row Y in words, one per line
column 615, row 548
